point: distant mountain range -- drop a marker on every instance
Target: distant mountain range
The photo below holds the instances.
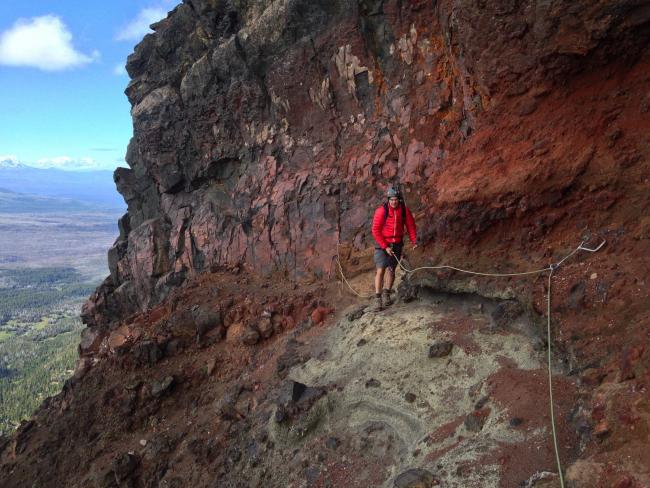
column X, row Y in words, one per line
column 11, row 163
column 87, row 187
column 12, row 202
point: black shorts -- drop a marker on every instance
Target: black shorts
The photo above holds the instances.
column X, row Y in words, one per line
column 383, row 260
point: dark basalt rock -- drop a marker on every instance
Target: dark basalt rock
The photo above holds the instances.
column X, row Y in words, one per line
column 440, row 349
column 415, row 478
column 356, row 314
column 163, row 386
column 474, row 421
column 506, row 313
column 146, row 353
column 291, row 357
column 124, row 466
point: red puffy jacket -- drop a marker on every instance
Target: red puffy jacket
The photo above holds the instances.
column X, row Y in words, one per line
column 391, row 229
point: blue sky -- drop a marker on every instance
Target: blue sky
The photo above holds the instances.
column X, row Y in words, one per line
column 62, row 81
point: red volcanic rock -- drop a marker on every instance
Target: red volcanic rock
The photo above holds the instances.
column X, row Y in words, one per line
column 235, row 333
column 241, row 333
column 118, row 337
column 629, row 360
column 624, row 482
column 601, row 429
column 241, row 160
column 289, row 322
column 319, row 315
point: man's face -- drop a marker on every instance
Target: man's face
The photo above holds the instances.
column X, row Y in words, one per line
column 393, row 202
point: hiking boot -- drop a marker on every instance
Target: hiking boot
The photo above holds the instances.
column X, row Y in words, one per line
column 375, row 304
column 386, row 299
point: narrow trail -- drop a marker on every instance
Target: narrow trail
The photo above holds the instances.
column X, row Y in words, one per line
column 476, row 417
column 550, row 269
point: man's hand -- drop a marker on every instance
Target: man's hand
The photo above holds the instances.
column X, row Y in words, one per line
column 415, row 246
column 389, row 251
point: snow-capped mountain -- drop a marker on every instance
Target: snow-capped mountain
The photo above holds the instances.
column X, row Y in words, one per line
column 12, row 163
column 96, row 187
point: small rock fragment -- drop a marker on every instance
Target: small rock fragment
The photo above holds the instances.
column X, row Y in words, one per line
column 159, row 388
column 83, row 365
column 291, row 357
column 205, row 319
column 124, row 465
column 415, row 478
column 475, row 421
column 356, row 314
column 319, row 315
column 210, row 366
column 506, row 312
column 373, row 383
column 147, row 353
column 516, row 422
column 234, row 455
column 539, row 476
column 481, row 403
column 250, row 337
column 332, row 443
column 440, row 349
column 624, row 482
column 312, row 473
column 229, row 412
column 281, row 414
column 602, row 429
column 265, row 327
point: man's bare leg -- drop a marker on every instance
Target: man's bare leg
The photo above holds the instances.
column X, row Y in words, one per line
column 376, row 305
column 379, row 280
column 388, row 285
column 389, row 280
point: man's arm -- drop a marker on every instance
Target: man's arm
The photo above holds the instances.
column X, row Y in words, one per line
column 410, row 227
column 377, row 224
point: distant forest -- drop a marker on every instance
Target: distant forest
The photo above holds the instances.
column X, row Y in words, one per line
column 39, row 335
column 28, row 293
column 30, row 371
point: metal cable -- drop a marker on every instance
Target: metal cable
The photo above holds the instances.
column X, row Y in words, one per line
column 550, row 380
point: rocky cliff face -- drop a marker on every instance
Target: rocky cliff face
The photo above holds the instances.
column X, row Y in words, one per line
column 266, row 132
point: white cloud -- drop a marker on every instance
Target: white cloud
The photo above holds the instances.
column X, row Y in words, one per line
column 67, row 163
column 41, row 42
column 138, row 27
column 119, row 69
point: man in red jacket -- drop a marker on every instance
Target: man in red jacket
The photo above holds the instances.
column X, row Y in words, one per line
column 388, row 231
